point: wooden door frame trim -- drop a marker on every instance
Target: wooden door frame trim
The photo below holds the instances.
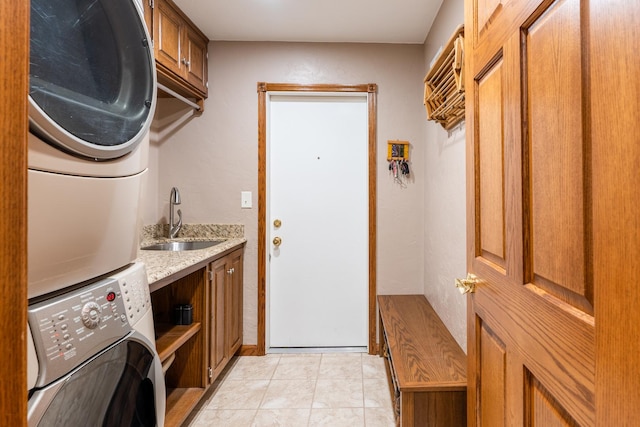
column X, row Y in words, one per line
column 371, row 90
column 14, row 80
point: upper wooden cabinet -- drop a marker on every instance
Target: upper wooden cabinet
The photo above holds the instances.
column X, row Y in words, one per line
column 180, row 49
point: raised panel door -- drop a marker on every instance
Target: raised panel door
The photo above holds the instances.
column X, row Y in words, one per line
column 168, row 32
column 531, row 321
column 234, row 291
column 218, row 341
column 195, row 53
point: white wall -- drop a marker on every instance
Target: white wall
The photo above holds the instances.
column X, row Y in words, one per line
column 445, row 203
column 212, row 158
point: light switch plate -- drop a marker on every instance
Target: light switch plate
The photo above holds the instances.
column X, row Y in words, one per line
column 245, row 200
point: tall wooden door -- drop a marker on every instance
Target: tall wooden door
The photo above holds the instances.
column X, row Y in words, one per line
column 541, row 171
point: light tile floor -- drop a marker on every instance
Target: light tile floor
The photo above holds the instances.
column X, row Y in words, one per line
column 297, row 390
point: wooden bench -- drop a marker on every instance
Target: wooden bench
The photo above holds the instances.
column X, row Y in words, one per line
column 426, row 366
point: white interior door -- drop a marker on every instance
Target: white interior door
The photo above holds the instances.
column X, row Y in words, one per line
column 318, row 190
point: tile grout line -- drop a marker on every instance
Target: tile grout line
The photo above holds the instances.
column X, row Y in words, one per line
column 266, row 389
column 313, row 396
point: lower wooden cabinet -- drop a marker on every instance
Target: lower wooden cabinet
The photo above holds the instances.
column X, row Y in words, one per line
column 195, row 354
column 225, row 300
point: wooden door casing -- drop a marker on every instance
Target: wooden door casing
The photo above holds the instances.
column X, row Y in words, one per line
column 14, row 84
column 531, row 324
column 263, row 88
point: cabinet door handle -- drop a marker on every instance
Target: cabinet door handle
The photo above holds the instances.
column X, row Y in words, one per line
column 185, row 62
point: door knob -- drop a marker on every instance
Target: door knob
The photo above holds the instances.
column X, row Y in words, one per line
column 277, row 241
column 277, row 223
column 467, row 285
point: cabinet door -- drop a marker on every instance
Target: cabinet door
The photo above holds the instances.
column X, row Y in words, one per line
column 148, row 19
column 195, row 53
column 234, row 291
column 218, row 354
column 167, row 35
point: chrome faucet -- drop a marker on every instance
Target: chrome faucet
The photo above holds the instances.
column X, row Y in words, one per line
column 174, row 199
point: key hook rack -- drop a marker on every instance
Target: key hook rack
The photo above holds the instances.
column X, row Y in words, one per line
column 398, row 158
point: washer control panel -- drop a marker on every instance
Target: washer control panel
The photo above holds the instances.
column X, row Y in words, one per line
column 135, row 291
column 70, row 328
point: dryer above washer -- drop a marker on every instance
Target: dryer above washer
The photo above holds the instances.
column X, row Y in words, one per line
column 92, row 81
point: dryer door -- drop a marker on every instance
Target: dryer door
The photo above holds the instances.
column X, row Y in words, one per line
column 92, row 83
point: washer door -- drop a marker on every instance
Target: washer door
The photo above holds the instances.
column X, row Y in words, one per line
column 92, row 82
column 118, row 387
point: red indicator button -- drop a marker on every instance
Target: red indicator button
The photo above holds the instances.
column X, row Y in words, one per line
column 111, row 296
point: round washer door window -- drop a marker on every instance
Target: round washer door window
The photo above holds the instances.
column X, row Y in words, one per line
column 92, row 76
column 115, row 389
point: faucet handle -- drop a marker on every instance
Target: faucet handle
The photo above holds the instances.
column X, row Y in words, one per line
column 179, row 224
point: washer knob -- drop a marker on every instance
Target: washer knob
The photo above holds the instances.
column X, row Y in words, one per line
column 91, row 315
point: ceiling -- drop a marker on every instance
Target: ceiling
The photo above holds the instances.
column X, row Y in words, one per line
column 361, row 21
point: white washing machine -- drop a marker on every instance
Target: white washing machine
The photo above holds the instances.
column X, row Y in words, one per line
column 92, row 358
column 92, row 96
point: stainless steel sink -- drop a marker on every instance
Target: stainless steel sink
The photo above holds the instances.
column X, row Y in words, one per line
column 182, row 246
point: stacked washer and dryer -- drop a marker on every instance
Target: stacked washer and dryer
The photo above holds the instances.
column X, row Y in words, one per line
column 91, row 356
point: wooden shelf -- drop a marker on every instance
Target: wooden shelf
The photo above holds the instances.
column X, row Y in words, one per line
column 180, row 403
column 444, row 83
column 172, row 337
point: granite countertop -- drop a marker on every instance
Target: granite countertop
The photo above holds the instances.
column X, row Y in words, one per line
column 162, row 264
